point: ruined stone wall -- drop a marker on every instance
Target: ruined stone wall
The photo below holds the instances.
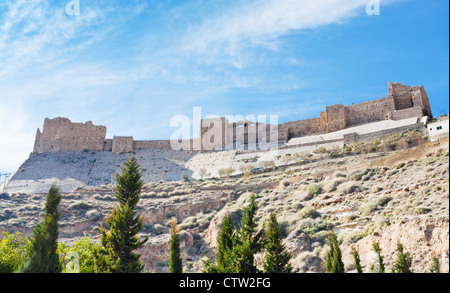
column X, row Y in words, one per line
column 408, row 113
column 122, row 144
column 370, row 111
column 304, row 127
column 420, row 99
column 188, row 144
column 213, row 133
column 336, row 118
column 108, row 145
column 152, row 144
column 60, row 134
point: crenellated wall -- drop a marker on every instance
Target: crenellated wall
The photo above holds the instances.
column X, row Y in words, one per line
column 402, row 102
column 60, row 134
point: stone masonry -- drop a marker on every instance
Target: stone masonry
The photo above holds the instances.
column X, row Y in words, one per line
column 402, row 102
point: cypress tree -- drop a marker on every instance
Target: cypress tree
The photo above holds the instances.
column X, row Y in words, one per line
column 333, row 263
column 248, row 242
column 176, row 263
column 356, row 260
column 276, row 259
column 116, row 254
column 379, row 259
column 225, row 241
column 404, row 261
column 44, row 257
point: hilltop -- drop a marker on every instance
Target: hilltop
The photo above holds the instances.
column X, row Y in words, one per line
column 380, row 190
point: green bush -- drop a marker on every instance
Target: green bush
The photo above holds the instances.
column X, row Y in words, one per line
column 309, row 212
column 314, row 190
column 421, row 211
column 184, row 177
column 85, row 248
column 14, row 250
column 311, row 227
column 79, row 205
column 369, row 207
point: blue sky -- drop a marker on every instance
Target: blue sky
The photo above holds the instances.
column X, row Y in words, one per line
column 132, row 65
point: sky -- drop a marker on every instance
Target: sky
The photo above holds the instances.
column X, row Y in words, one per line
column 133, row 65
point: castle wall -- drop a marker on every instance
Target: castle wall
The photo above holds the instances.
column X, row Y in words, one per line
column 213, row 133
column 60, row 134
column 370, row 111
column 164, row 144
column 408, row 113
column 304, row 127
column 336, row 118
column 403, row 102
column 122, row 144
column 354, row 137
column 108, row 145
column 152, row 144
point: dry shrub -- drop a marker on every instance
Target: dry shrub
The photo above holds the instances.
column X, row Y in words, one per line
column 348, row 187
column 332, row 185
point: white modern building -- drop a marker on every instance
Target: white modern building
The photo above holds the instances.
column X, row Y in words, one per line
column 439, row 129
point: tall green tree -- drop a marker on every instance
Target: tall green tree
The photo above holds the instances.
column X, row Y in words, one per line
column 403, row 262
column 378, row 267
column 225, row 241
column 276, row 259
column 333, row 263
column 44, row 245
column 356, row 260
column 248, row 242
column 116, row 254
column 176, row 263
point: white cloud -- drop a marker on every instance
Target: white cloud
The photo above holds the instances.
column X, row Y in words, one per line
column 261, row 22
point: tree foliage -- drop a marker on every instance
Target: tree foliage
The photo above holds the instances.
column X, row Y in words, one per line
column 333, row 263
column 248, row 242
column 44, row 245
column 378, row 267
column 404, row 261
column 276, row 259
column 176, row 263
column 84, row 248
column 15, row 249
column 356, row 260
column 116, row 254
column 436, row 266
column 237, row 247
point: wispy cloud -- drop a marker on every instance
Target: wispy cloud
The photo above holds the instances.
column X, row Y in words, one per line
column 41, row 70
column 260, row 23
column 144, row 61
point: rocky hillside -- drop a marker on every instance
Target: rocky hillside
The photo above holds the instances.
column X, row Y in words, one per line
column 369, row 195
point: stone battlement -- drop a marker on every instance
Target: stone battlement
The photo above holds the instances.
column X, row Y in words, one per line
column 402, row 102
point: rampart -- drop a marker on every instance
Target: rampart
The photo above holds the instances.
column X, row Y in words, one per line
column 402, row 102
column 60, row 134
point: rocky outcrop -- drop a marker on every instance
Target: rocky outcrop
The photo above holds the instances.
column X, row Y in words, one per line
column 423, row 238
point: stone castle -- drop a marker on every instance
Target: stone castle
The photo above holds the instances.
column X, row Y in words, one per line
column 402, row 102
